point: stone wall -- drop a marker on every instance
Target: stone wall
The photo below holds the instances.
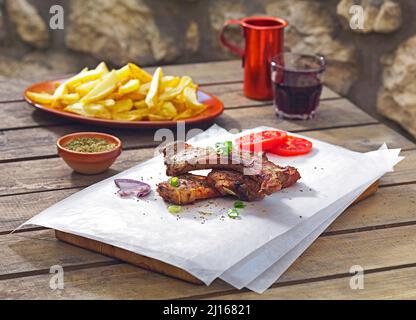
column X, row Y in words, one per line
column 372, row 65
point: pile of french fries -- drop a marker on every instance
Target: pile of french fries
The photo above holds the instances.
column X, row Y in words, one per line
column 126, row 94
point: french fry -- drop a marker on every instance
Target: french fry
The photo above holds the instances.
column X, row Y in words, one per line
column 86, row 87
column 70, row 98
column 168, row 110
column 184, row 115
column 156, row 117
column 191, row 98
column 122, row 106
column 140, row 104
column 77, row 108
column 144, row 88
column 135, row 96
column 131, row 86
column 102, row 89
column 130, row 115
column 123, row 74
column 169, row 82
column 107, row 102
column 174, row 92
column 57, row 95
column 139, row 73
column 97, row 111
column 42, row 98
column 152, row 96
column 86, row 76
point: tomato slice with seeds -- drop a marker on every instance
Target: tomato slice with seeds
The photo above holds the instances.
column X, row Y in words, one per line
column 292, row 146
column 261, row 141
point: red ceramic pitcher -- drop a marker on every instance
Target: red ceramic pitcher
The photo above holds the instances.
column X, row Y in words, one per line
column 263, row 40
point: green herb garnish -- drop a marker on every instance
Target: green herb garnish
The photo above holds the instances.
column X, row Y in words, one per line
column 174, row 209
column 174, row 182
column 239, row 205
column 233, row 213
column 224, row 148
column 89, row 145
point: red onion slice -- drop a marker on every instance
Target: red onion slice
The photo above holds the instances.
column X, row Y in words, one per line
column 130, row 187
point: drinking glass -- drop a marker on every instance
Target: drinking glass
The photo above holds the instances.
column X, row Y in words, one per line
column 297, row 84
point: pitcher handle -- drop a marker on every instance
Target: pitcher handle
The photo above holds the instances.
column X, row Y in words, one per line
column 232, row 47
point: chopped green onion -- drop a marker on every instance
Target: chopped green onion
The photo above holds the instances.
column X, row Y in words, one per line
column 239, row 205
column 233, row 213
column 174, row 209
column 174, row 182
column 228, row 147
column 224, row 148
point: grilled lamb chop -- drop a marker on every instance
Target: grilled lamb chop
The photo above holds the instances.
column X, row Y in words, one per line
column 190, row 189
column 181, row 158
column 218, row 183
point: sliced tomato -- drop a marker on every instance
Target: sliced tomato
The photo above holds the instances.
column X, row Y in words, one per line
column 292, row 146
column 261, row 141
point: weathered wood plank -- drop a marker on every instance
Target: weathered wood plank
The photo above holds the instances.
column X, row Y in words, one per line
column 371, row 250
column 328, row 256
column 205, row 73
column 388, row 206
column 47, row 174
column 12, row 89
column 405, row 171
column 363, row 138
column 17, row 209
column 38, row 142
column 34, row 251
column 15, row 115
column 396, row 284
column 114, row 282
column 232, row 95
column 335, row 255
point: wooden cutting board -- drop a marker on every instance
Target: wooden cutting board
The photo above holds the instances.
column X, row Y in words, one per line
column 150, row 263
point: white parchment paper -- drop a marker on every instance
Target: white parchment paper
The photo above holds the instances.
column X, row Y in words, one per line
column 202, row 239
column 388, row 159
column 253, row 265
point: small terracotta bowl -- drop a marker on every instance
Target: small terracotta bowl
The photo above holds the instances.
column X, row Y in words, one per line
column 88, row 163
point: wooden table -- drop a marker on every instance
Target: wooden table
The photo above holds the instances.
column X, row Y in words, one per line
column 378, row 234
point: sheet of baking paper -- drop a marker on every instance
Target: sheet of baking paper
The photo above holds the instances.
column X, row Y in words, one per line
column 202, row 239
column 257, row 262
column 271, row 275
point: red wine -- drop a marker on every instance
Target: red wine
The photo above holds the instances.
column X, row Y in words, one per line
column 297, row 102
column 297, row 84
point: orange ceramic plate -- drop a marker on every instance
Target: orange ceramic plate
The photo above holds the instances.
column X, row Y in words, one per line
column 214, row 108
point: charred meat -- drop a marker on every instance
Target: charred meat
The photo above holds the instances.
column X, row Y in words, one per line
column 181, row 158
column 234, row 183
column 189, row 189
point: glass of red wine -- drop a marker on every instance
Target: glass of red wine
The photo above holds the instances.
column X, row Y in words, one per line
column 297, row 84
